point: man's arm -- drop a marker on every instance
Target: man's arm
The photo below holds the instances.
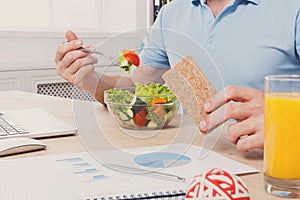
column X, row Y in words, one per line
column 77, row 67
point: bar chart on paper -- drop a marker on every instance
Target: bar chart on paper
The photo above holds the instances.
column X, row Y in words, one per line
column 80, row 169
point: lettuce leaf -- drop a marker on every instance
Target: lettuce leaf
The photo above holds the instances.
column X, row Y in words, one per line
column 153, row 90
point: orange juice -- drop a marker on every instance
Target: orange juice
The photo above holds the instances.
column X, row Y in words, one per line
column 282, row 135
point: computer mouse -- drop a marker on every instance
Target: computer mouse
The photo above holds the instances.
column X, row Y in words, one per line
column 16, row 145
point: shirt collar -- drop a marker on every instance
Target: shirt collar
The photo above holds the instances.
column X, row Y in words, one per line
column 202, row 2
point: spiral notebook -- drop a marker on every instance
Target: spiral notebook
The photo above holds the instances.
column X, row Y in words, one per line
column 81, row 176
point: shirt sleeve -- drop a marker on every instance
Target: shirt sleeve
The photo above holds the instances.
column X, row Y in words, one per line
column 154, row 51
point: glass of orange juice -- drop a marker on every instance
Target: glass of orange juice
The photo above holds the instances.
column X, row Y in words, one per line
column 282, row 135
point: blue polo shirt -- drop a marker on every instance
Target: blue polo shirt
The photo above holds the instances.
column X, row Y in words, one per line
column 248, row 40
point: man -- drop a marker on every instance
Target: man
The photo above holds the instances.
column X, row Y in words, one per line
column 247, row 39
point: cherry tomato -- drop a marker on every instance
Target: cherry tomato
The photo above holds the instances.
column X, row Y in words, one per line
column 133, row 58
column 140, row 118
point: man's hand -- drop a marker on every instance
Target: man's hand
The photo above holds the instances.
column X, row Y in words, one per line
column 76, row 66
column 246, row 106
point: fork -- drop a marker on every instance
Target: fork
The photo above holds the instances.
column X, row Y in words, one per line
column 110, row 58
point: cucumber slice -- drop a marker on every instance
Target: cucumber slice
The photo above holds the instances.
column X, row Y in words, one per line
column 129, row 124
column 125, row 65
column 124, row 62
column 123, row 116
column 130, row 113
column 168, row 115
column 152, row 124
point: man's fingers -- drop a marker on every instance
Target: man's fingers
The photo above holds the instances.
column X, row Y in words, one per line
column 253, row 141
column 245, row 105
column 77, row 64
column 70, row 35
column 231, row 93
column 238, row 111
column 63, row 49
column 72, row 43
column 71, row 57
column 238, row 130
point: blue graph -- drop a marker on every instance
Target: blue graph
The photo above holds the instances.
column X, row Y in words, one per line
column 81, row 168
column 162, row 160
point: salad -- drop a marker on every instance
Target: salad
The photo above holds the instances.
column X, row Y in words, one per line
column 147, row 107
column 127, row 59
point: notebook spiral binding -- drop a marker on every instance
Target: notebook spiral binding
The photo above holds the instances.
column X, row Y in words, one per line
column 174, row 195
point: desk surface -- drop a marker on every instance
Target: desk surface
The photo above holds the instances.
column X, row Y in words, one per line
column 66, row 109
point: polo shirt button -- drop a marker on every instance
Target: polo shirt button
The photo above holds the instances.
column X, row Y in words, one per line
column 210, row 40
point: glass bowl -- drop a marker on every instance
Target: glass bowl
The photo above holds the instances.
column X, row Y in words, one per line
column 140, row 113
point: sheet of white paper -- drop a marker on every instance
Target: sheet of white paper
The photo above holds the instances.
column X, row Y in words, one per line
column 75, row 176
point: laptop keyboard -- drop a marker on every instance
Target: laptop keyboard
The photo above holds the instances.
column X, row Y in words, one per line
column 10, row 128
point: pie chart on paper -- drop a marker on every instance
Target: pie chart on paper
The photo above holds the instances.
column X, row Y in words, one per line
column 162, row 160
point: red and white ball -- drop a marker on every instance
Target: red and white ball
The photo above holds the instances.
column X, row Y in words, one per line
column 217, row 184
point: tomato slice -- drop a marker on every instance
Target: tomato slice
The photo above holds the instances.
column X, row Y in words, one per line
column 132, row 57
column 140, row 118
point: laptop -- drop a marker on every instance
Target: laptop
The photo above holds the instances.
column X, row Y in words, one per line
column 32, row 123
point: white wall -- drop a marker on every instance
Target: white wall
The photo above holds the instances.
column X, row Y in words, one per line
column 36, row 49
column 30, row 52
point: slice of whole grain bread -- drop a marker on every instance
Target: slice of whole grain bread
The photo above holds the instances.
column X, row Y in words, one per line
column 191, row 87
